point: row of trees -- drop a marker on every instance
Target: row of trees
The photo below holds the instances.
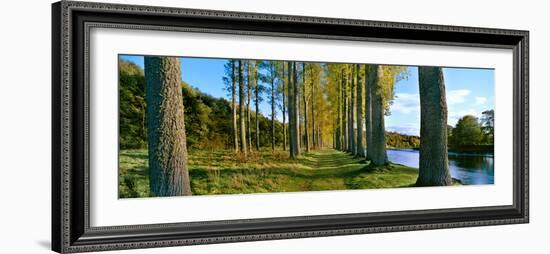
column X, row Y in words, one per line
column 353, row 98
column 293, row 89
column 364, row 95
column 337, row 101
column 209, row 120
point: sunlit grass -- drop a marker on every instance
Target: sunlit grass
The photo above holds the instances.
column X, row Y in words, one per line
column 224, row 172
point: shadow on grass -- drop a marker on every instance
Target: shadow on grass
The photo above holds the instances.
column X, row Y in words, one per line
column 220, row 172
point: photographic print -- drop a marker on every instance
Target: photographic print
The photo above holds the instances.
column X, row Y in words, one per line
column 175, row 126
column 205, row 126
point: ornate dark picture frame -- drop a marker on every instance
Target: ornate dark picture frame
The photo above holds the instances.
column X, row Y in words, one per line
column 71, row 22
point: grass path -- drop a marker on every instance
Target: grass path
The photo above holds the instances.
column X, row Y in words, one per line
column 221, row 172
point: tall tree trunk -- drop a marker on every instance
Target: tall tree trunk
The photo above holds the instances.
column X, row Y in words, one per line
column 296, row 116
column 338, row 138
column 334, row 145
column 242, row 121
column 248, row 92
column 320, row 137
column 379, row 156
column 349, row 85
column 234, row 105
column 434, row 165
column 257, row 102
column 168, row 173
column 371, row 76
column 313, row 101
column 284, row 103
column 359, row 112
column 345, row 128
column 272, row 108
column 297, row 105
column 304, row 97
column 353, row 138
column 292, row 130
column 290, row 113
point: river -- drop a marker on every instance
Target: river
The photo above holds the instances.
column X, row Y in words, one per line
column 469, row 169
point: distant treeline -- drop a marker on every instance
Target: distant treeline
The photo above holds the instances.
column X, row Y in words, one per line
column 398, row 140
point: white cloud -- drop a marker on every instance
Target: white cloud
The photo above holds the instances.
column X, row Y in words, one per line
column 406, row 103
column 407, row 129
column 480, row 100
column 457, row 96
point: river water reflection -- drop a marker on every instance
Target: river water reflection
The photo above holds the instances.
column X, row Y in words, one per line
column 470, row 169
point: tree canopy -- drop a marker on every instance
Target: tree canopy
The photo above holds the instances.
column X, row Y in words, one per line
column 467, row 131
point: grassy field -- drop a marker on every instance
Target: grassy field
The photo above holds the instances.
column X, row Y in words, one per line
column 222, row 172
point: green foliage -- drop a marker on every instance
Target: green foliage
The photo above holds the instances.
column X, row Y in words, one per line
column 132, row 107
column 467, row 131
column 221, row 172
column 398, row 140
column 207, row 119
column 488, row 126
column 391, row 74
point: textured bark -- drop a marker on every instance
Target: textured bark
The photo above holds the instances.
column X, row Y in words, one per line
column 315, row 138
column 434, row 165
column 319, row 137
column 359, row 113
column 378, row 154
column 338, row 137
column 345, row 129
column 334, row 138
column 272, row 111
column 290, row 112
column 295, row 105
column 168, row 173
column 242, row 121
column 292, row 107
column 334, row 135
column 349, row 125
column 353, row 138
column 234, row 105
column 304, row 98
column 370, row 79
column 248, row 95
column 284, row 104
column 257, row 104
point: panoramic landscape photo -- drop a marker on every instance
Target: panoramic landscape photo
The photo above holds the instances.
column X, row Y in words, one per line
column 206, row 126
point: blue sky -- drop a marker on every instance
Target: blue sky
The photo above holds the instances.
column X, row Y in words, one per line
column 469, row 91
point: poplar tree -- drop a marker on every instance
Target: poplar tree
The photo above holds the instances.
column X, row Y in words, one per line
column 434, row 165
column 378, row 154
column 242, row 96
column 305, row 99
column 359, row 112
column 249, row 85
column 230, row 79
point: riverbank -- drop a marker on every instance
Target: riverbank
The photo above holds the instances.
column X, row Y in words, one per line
column 473, row 149
column 487, row 150
column 221, row 172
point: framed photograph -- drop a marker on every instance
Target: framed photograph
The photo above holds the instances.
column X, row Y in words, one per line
column 181, row 126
